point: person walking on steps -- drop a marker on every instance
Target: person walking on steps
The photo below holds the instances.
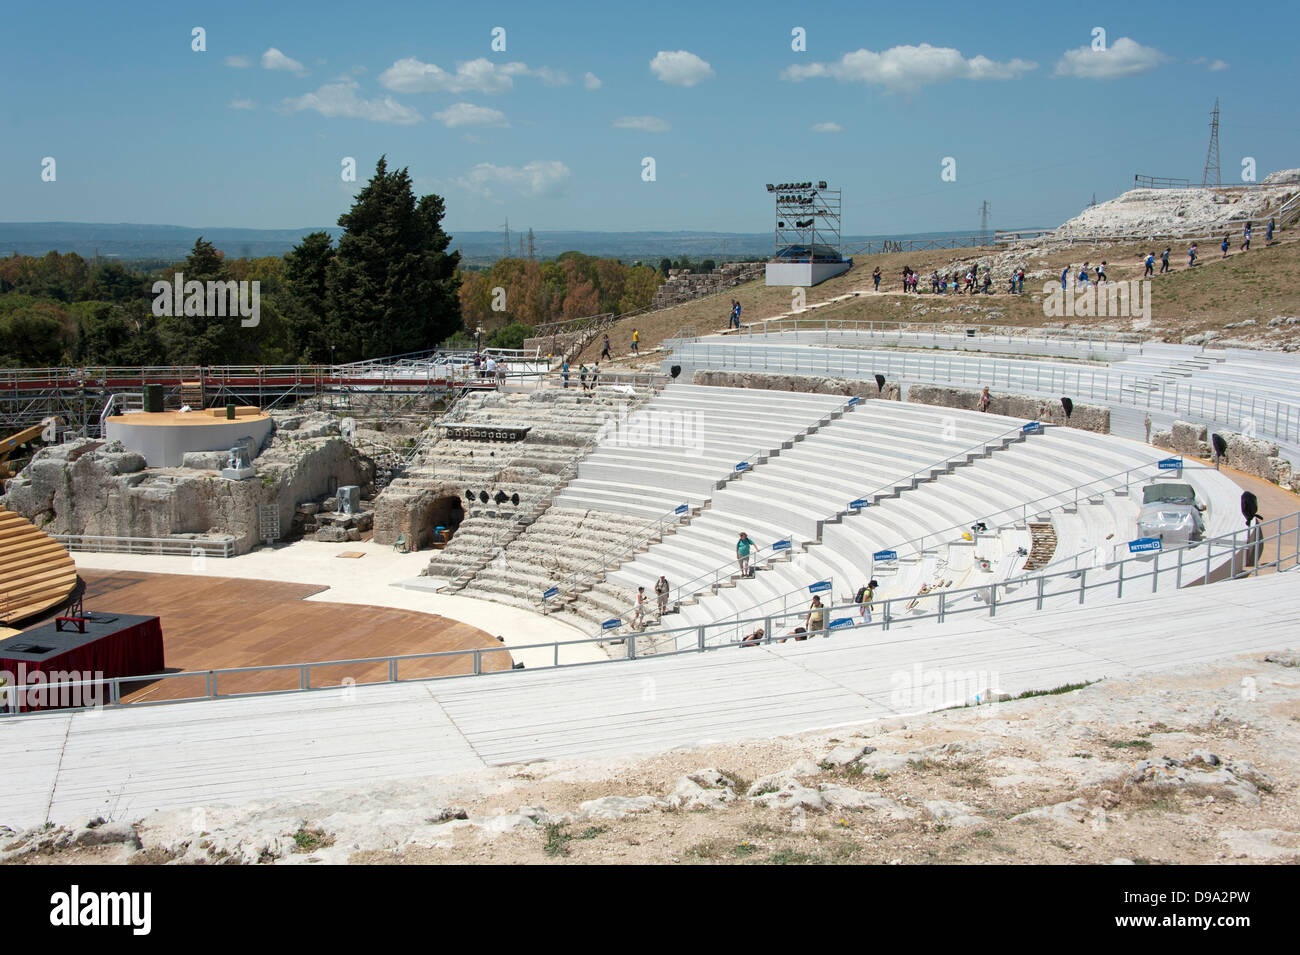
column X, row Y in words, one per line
column 815, row 622
column 604, row 349
column 1164, row 261
column 864, row 598
column 1150, row 263
column 661, row 594
column 636, row 342
column 875, row 277
column 743, row 546
column 564, row 372
column 1245, row 237
column 582, row 376
column 638, row 609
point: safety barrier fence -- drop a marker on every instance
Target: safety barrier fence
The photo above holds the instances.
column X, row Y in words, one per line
column 948, row 334
column 1239, row 554
column 1266, row 417
column 182, row 546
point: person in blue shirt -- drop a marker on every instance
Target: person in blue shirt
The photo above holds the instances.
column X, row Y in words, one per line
column 1150, row 265
column 1224, row 246
column 1083, row 275
column 564, row 373
column 1065, row 277
column 1245, row 245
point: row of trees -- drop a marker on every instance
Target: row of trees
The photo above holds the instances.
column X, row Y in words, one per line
column 574, row 285
column 388, row 286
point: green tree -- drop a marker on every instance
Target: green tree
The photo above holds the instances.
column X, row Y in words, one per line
column 305, row 298
column 392, row 285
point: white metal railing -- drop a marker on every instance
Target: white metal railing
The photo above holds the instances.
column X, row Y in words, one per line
column 104, row 544
column 937, row 331
column 1234, row 555
column 1270, row 417
column 1068, row 496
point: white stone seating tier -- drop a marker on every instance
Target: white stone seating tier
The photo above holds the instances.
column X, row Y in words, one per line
column 1044, row 468
column 695, row 437
column 561, row 541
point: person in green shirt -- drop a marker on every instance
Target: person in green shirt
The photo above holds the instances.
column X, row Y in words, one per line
column 743, row 547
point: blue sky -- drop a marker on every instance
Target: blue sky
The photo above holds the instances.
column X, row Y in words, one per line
column 552, row 132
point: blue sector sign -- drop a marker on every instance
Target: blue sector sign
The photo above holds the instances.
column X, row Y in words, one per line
column 858, row 504
column 610, row 624
column 820, row 587
column 742, row 466
column 553, row 592
column 1144, row 544
column 853, row 401
column 1170, row 464
column 885, row 555
column 780, row 545
column 1031, row 427
column 839, row 622
column 681, row 509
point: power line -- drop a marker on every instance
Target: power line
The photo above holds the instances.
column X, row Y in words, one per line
column 1212, row 154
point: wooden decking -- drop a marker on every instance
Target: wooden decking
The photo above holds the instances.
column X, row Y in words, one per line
column 36, row 571
column 218, row 622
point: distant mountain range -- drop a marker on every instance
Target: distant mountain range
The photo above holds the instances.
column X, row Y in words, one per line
column 125, row 241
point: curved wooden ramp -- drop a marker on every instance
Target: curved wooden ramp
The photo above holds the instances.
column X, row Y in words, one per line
column 36, row 571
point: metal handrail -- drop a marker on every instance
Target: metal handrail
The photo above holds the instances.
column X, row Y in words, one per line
column 918, row 543
column 1253, row 544
column 1275, row 417
column 107, row 544
column 935, row 329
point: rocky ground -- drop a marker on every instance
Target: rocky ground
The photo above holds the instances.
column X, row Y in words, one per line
column 1198, row 765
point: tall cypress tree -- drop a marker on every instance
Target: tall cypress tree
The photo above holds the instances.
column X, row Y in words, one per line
column 392, row 286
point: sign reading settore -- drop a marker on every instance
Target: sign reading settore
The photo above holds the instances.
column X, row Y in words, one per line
column 1144, row 545
column 820, row 587
column 1170, row 464
column 885, row 555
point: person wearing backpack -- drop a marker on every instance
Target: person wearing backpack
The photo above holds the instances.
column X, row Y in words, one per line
column 863, row 599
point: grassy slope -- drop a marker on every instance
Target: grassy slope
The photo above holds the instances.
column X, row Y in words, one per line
column 1259, row 285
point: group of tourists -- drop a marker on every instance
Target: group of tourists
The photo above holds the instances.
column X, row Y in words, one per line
column 489, row 367
column 583, row 373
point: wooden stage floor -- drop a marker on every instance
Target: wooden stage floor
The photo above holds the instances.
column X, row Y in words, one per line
column 211, row 623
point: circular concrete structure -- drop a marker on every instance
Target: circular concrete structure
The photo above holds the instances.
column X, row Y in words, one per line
column 164, row 438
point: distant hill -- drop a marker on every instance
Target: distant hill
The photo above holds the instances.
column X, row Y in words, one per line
column 126, row 241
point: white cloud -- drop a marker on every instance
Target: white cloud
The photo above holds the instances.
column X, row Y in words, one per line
column 591, row 81
column 238, row 103
column 649, row 124
column 537, row 178
column 680, row 68
column 1124, row 57
column 1218, row 65
column 239, row 62
column 908, row 68
column 467, row 114
column 827, row 128
column 341, row 100
column 410, row 75
column 273, row 59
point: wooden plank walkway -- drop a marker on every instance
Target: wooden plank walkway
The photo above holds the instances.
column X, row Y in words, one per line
column 124, row 763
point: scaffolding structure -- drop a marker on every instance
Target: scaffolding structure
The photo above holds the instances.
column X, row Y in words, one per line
column 807, row 215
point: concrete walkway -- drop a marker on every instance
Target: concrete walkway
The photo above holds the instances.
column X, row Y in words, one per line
column 372, row 579
column 124, row 763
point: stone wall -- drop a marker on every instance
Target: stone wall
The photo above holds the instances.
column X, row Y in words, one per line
column 684, row 285
column 87, row 487
column 1085, row 417
column 810, row 384
column 1251, row 455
